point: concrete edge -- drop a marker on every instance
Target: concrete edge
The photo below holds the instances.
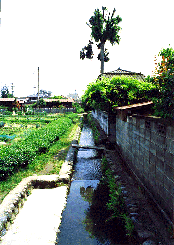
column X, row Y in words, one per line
column 14, row 201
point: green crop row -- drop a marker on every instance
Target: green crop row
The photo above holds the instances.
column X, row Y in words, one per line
column 20, row 154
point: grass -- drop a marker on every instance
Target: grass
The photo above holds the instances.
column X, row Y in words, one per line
column 48, row 163
column 115, row 203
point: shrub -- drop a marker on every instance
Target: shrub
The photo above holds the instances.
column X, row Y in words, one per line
column 107, row 93
column 164, row 80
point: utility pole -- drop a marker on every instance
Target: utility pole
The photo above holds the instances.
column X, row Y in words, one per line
column 12, row 88
column 102, row 48
column 38, row 87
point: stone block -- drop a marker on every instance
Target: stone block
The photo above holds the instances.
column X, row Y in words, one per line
column 169, row 158
column 159, row 187
column 152, row 167
column 170, row 132
column 146, row 144
column 159, row 175
column 160, row 164
column 142, row 123
column 169, row 185
column 146, row 165
column 168, row 146
column 147, row 134
column 152, row 148
column 172, row 146
column 154, row 127
column 154, row 138
column 134, row 121
column 160, row 152
column 142, row 132
column 169, row 171
column 161, row 141
column 142, row 141
column 152, row 179
column 146, row 155
column 168, row 199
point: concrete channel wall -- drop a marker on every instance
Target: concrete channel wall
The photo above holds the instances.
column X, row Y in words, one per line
column 147, row 146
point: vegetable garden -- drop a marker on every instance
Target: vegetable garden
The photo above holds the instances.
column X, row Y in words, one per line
column 24, row 138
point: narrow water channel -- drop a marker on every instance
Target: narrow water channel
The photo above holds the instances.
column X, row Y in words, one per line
column 84, row 218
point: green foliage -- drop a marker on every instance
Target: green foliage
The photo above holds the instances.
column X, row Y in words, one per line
column 107, row 93
column 115, row 203
column 5, row 92
column 78, row 107
column 58, row 97
column 103, row 28
column 164, row 80
column 35, row 141
column 40, row 104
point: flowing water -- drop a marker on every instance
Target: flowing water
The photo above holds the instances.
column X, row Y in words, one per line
column 84, row 218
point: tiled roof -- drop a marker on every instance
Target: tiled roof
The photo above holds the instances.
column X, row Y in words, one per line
column 7, row 99
column 60, row 100
column 119, row 72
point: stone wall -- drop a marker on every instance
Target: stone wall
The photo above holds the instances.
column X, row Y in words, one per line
column 147, row 146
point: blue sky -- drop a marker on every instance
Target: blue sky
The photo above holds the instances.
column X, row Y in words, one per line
column 50, row 35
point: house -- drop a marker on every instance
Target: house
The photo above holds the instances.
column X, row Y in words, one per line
column 22, row 100
column 7, row 102
column 120, row 72
column 74, row 96
column 68, row 103
column 42, row 94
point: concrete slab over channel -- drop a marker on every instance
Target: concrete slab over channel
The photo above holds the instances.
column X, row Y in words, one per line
column 39, row 219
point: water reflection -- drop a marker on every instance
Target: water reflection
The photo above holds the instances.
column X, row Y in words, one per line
column 96, row 220
column 87, row 193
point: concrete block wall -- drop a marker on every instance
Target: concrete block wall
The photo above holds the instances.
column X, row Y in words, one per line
column 102, row 118
column 147, row 145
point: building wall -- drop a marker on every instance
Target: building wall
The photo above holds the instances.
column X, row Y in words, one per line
column 147, row 145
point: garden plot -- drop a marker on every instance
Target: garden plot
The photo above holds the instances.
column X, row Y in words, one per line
column 13, row 128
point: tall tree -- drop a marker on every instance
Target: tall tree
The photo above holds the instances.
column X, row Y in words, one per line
column 103, row 28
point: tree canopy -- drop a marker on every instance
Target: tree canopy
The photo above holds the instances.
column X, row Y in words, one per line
column 5, row 92
column 164, row 80
column 103, row 28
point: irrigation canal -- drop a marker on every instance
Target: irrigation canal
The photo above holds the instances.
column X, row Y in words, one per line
column 84, row 218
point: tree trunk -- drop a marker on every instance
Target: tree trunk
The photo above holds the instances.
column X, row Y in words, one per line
column 102, row 58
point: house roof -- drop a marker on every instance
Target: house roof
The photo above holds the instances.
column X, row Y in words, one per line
column 7, row 99
column 60, row 100
column 119, row 72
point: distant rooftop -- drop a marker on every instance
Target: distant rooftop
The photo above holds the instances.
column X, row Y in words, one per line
column 7, row 99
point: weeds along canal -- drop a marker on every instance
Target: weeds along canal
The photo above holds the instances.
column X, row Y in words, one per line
column 84, row 220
